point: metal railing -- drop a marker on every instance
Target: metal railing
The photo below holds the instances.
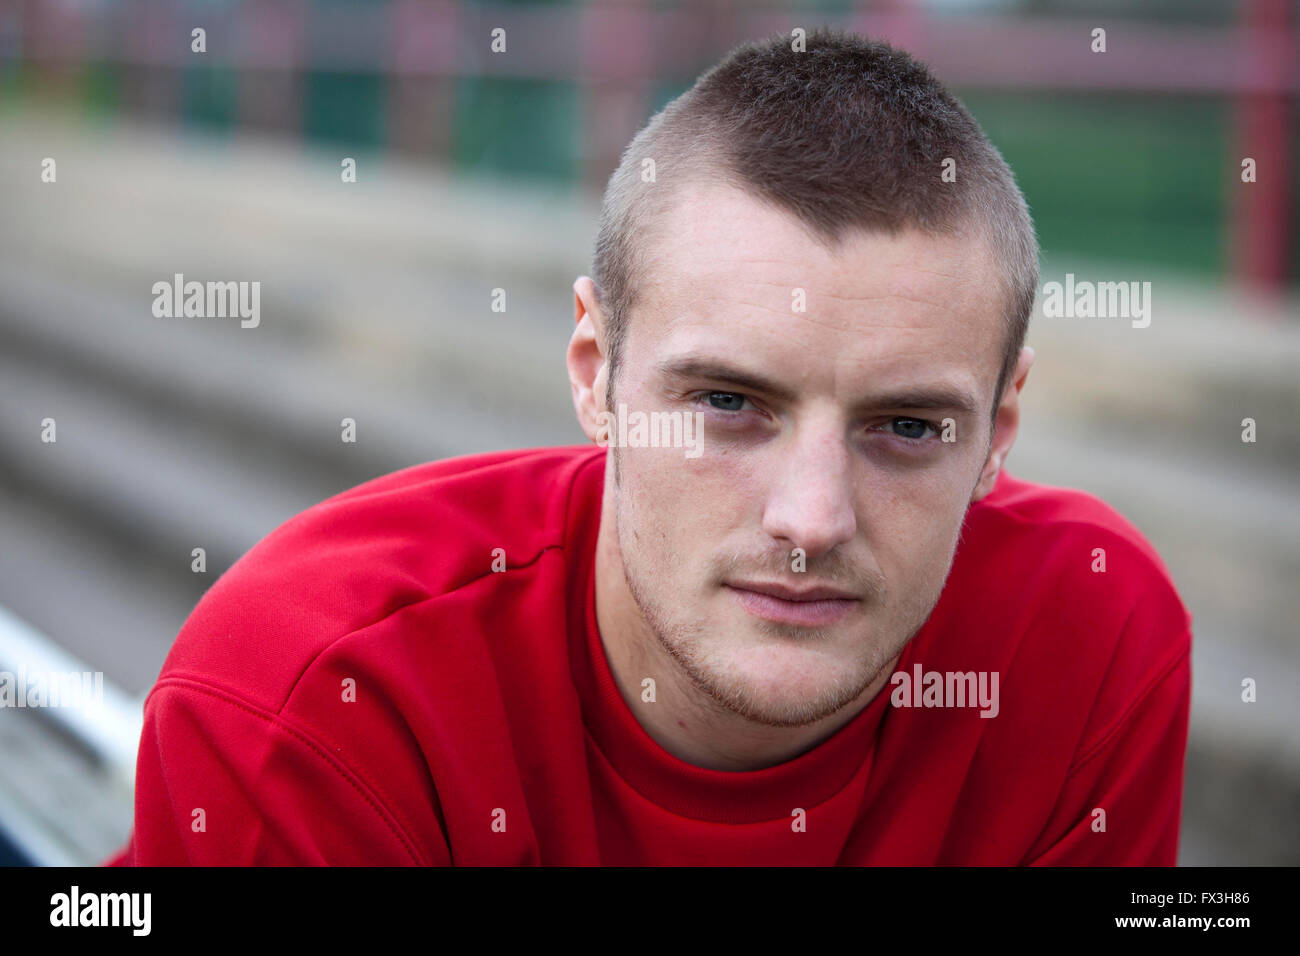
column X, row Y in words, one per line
column 42, row 680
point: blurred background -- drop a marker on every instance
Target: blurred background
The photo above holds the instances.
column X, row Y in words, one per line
column 478, row 170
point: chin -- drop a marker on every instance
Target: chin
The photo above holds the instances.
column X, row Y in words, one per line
column 785, row 707
column 787, row 684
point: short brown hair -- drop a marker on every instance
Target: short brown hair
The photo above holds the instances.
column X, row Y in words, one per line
column 849, row 134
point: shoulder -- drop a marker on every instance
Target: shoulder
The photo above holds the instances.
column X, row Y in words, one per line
column 362, row 556
column 1046, row 513
column 1067, row 548
column 1086, row 610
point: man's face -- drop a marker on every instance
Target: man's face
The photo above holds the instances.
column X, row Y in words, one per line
column 822, row 436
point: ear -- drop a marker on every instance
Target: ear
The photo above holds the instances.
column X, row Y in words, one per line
column 1006, row 425
column 585, row 357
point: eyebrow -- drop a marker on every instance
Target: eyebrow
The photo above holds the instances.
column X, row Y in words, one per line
column 938, row 396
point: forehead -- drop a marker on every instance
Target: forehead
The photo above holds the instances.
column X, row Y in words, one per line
column 729, row 271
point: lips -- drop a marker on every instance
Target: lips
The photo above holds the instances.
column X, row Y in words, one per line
column 787, row 593
column 780, row 603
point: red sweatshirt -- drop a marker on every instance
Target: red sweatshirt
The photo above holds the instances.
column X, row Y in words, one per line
column 363, row 688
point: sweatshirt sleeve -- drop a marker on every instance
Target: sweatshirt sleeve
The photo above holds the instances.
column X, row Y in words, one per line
column 1122, row 800
column 222, row 782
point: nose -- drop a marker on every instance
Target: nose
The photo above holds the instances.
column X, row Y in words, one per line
column 810, row 499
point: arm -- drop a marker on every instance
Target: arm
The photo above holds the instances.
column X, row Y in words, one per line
column 1135, row 774
column 269, row 792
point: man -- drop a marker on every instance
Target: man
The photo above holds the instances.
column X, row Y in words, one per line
column 803, row 616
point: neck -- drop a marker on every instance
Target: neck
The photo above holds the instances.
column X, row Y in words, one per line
column 683, row 720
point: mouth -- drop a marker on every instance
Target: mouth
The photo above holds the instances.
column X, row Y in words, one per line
column 781, row 604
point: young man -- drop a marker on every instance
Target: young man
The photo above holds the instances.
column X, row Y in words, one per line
column 790, row 609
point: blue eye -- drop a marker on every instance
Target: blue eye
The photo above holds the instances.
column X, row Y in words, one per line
column 726, row 401
column 913, row 429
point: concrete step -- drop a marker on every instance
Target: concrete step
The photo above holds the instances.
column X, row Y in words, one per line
column 93, row 589
column 447, row 392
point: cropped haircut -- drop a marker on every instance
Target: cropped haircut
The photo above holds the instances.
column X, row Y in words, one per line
column 848, row 135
